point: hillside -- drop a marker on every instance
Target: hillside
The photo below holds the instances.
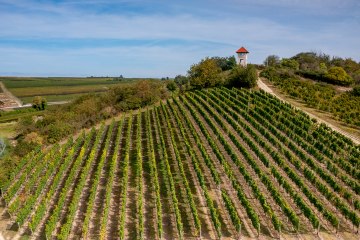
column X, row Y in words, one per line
column 211, row 163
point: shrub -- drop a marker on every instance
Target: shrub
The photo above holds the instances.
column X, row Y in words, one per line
column 39, row 103
column 171, row 86
column 242, row 77
column 338, row 75
column 290, row 63
column 356, row 91
column 57, row 131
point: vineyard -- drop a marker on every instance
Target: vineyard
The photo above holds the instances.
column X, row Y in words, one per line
column 216, row 163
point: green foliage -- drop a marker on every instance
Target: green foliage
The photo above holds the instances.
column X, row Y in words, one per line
column 205, row 74
column 225, row 63
column 89, row 109
column 311, row 60
column 132, row 96
column 315, row 66
column 181, row 80
column 22, row 147
column 8, row 162
column 39, row 103
column 344, row 106
column 290, row 63
column 356, row 76
column 272, row 61
column 319, row 67
column 57, row 130
column 338, row 75
column 242, row 77
column 171, row 86
column 356, row 91
column 323, row 68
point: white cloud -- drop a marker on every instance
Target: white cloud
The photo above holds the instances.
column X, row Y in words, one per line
column 261, row 34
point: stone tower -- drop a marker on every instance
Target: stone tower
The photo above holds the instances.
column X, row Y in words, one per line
column 242, row 56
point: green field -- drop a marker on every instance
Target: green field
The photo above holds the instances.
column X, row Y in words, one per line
column 58, row 88
column 54, row 98
column 16, row 114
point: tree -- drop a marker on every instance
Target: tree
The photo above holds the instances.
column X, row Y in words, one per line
column 338, row 75
column 243, row 77
column 307, row 60
column 225, row 63
column 290, row 63
column 205, row 74
column 272, row 61
column 39, row 103
column 171, row 86
column 181, row 80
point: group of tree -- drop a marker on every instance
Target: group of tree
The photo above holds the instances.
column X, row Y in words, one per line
column 215, row 71
column 320, row 67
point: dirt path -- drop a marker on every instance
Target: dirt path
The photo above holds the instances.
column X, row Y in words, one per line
column 355, row 137
column 8, row 98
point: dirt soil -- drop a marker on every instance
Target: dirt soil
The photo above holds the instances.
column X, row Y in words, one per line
column 320, row 116
column 7, row 99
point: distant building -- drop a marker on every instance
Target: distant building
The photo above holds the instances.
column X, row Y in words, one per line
column 242, row 56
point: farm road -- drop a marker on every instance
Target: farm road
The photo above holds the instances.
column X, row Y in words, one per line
column 266, row 88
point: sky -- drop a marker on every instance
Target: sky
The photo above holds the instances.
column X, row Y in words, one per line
column 163, row 38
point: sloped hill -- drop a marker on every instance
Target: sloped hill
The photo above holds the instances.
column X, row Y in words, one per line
column 213, row 163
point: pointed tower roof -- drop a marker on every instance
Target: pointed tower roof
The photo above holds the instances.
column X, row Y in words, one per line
column 242, row 50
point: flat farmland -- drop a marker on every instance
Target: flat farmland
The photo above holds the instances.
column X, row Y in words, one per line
column 57, row 88
column 216, row 164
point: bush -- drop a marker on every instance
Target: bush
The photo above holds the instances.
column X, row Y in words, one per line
column 290, row 63
column 242, row 77
column 205, row 74
column 181, row 82
column 171, row 86
column 338, row 75
column 57, row 131
column 39, row 103
column 356, row 91
column 22, row 148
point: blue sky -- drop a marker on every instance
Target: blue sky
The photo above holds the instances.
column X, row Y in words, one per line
column 159, row 38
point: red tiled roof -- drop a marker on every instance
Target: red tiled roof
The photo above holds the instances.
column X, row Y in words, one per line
column 242, row 50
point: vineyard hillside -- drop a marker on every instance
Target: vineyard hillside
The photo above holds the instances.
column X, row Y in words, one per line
column 216, row 163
